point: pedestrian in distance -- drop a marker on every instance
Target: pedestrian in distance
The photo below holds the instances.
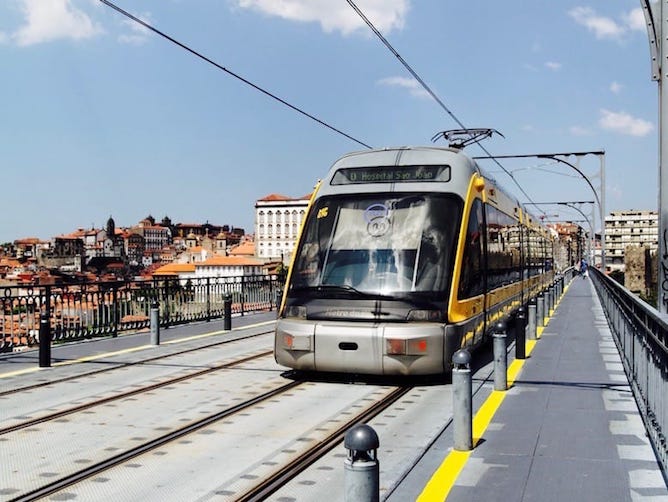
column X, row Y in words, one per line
column 584, row 269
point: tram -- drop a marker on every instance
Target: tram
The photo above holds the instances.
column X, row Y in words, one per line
column 405, row 256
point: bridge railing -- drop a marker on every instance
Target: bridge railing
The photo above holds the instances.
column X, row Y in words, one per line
column 93, row 309
column 641, row 335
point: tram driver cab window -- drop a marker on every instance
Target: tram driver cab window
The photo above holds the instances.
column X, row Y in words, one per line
column 471, row 280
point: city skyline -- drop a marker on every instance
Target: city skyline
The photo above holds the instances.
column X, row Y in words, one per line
column 104, row 116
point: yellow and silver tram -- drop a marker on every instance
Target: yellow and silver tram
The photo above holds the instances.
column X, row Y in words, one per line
column 405, row 256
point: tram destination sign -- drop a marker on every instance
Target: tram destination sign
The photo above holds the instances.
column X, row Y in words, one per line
column 390, row 174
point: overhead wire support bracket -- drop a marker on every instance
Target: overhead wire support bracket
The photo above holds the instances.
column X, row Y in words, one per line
column 653, row 35
column 461, row 138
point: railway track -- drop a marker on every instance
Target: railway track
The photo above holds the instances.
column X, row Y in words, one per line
column 118, row 366
column 127, row 455
column 253, row 491
column 258, row 478
column 136, row 391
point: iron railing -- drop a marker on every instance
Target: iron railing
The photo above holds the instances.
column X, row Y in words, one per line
column 640, row 333
column 94, row 309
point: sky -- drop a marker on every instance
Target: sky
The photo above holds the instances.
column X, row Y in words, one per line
column 103, row 117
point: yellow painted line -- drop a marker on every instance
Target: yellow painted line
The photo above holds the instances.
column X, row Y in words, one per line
column 443, row 479
column 75, row 361
column 126, row 351
column 212, row 333
column 445, row 476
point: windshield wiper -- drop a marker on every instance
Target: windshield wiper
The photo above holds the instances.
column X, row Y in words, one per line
column 331, row 288
column 346, row 288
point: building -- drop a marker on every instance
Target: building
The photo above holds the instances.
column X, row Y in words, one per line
column 570, row 245
column 216, row 266
column 155, row 236
column 277, row 222
column 629, row 228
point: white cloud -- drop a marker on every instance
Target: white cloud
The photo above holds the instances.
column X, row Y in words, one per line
column 409, row 83
column 137, row 33
column 635, row 20
column 579, row 131
column 603, row 27
column 553, row 65
column 607, row 28
column 624, row 123
column 386, row 15
column 616, row 87
column 48, row 20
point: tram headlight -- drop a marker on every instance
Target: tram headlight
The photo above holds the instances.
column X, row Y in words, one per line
column 425, row 315
column 403, row 347
column 395, row 347
column 295, row 311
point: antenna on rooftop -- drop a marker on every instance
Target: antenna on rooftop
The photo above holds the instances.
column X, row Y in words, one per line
column 460, row 138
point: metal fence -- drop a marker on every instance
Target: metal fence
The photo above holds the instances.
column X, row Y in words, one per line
column 87, row 310
column 640, row 333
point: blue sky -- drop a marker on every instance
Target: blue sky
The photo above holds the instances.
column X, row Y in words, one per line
column 101, row 117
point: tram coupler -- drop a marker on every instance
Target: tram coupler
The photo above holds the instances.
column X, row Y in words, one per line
column 361, row 468
column 462, row 401
column 521, row 334
column 227, row 313
column 155, row 323
column 44, row 341
column 500, row 357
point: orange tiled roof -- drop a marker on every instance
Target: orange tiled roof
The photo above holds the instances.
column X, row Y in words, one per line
column 245, row 249
column 231, row 261
column 28, row 240
column 274, row 197
column 175, row 268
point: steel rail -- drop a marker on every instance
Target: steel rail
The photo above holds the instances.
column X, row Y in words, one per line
column 72, row 479
column 148, row 388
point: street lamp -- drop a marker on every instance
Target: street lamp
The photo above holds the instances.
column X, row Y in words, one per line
column 655, row 17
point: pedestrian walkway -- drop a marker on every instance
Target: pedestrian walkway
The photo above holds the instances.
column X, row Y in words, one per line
column 568, row 428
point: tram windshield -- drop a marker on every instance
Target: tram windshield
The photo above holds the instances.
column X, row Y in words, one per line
column 379, row 244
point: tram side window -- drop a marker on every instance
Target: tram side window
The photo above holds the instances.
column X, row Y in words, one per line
column 503, row 249
column 537, row 253
column 471, row 280
column 526, row 259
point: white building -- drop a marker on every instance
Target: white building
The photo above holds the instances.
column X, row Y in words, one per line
column 216, row 266
column 277, row 222
column 629, row 228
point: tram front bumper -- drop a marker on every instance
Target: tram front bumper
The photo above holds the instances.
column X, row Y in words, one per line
column 377, row 349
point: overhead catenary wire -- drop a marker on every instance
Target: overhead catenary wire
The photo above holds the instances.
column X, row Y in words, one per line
column 428, row 89
column 233, row 74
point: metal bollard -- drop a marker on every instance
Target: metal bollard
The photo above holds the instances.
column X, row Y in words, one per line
column 532, row 320
column 361, row 469
column 227, row 313
column 521, row 334
column 500, row 357
column 155, row 323
column 462, row 401
column 548, row 302
column 540, row 310
column 553, row 298
column 44, row 342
